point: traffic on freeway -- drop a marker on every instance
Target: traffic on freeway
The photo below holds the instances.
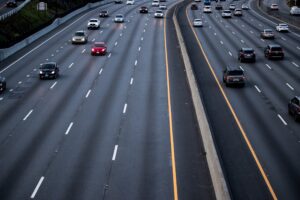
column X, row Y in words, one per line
column 104, row 106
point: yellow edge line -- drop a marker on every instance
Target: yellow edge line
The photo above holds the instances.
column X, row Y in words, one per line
column 235, row 117
column 175, row 190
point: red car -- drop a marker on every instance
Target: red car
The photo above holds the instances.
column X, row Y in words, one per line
column 99, row 48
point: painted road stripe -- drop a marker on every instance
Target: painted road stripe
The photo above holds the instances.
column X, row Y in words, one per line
column 135, row 63
column 282, row 120
column 53, row 85
column 115, row 153
column 287, row 84
column 125, row 108
column 295, row 64
column 242, row 68
column 69, row 128
column 230, row 53
column 71, row 65
column 83, row 51
column 116, row 43
column 36, row 189
column 221, row 42
column 28, row 114
column 88, row 94
column 256, row 87
column 139, row 48
column 269, row 66
column 100, row 71
column 131, row 81
column 109, row 55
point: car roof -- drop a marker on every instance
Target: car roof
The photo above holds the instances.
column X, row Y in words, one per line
column 274, row 45
column 99, row 43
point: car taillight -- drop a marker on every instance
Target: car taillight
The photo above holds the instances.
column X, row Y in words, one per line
column 93, row 49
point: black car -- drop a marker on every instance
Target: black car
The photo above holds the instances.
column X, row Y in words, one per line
column 49, row 70
column 11, row 4
column 219, row 7
column 118, row 1
column 274, row 51
column 103, row 13
column 246, row 54
column 2, row 84
column 143, row 9
column 194, row 6
column 233, row 76
column 294, row 107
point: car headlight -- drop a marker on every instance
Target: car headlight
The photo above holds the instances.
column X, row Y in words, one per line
column 82, row 39
column 41, row 72
column 53, row 72
column 73, row 39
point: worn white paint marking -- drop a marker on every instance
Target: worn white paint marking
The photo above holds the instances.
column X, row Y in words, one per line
column 242, row 68
column 269, row 66
column 251, row 32
column 283, row 38
column 242, row 41
column 37, row 187
column 139, row 48
column 221, row 42
column 20, row 82
column 83, row 51
column 298, row 48
column 142, row 38
column 116, row 43
column 256, row 87
column 295, row 64
column 28, row 114
column 135, row 63
column 262, row 40
column 230, row 53
column 93, row 39
column 69, row 128
column 115, row 153
column 1, row 98
column 282, row 120
column 109, row 55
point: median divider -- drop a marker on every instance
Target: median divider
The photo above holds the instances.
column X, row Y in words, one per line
column 216, row 173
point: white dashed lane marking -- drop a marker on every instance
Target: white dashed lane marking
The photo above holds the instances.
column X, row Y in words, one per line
column 115, row 153
column 100, row 71
column 28, row 114
column 287, row 84
column 125, row 108
column 282, row 120
column 83, row 51
column 131, row 81
column 230, row 53
column 53, row 85
column 256, row 87
column 71, row 65
column 269, row 66
column 36, row 189
column 69, row 128
column 88, row 94
column 295, row 64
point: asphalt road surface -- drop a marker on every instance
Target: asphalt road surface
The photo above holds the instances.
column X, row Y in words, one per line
column 260, row 107
column 102, row 129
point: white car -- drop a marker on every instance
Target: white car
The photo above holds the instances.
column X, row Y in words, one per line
column 207, row 9
column 274, row 6
column 155, row 3
column 226, row 14
column 197, row 23
column 295, row 10
column 232, row 6
column 282, row 28
column 130, row 2
column 93, row 24
column 163, row 7
column 80, row 37
column 159, row 14
column 119, row 18
column 245, row 7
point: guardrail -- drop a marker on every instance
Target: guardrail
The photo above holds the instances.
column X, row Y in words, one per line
column 14, row 11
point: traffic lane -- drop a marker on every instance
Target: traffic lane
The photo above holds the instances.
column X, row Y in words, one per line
column 113, row 101
column 242, row 102
column 193, row 176
column 240, row 170
column 143, row 157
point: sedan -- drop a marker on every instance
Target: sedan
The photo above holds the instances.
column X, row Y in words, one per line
column 49, row 70
column 282, row 28
column 103, row 13
column 11, row 4
column 238, row 12
column 207, row 9
column 159, row 14
column 197, row 23
column 246, row 54
column 93, row 24
column 163, row 7
column 274, row 6
column 143, row 9
column 294, row 107
column 231, row 6
column 99, row 48
column 218, row 7
column 267, row 34
column 79, row 37
column 119, row 18
column 194, row 6
column 2, row 84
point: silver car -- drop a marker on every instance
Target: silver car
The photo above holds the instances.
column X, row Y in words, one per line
column 80, row 37
column 119, row 18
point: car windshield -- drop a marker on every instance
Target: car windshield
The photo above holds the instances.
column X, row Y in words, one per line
column 93, row 20
column 236, row 72
column 79, row 34
column 197, row 20
column 226, row 11
column 104, row 11
column 119, row 16
column 276, row 49
column 158, row 11
column 268, row 31
column 283, row 25
column 99, row 45
column 248, row 51
column 48, row 66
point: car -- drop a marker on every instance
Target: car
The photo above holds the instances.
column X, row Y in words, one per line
column 232, row 7
column 104, row 13
column 246, row 54
column 11, row 4
column 207, row 9
column 226, row 14
column 267, row 34
column 2, row 84
column 245, row 7
column 197, row 23
column 118, row 1
column 274, row 51
column 93, row 24
column 163, row 7
column 294, row 107
column 295, row 10
column 143, row 9
column 155, row 3
column 163, row 1
column 282, row 27
column 197, row 1
column 237, row 12
column 158, row 14
column 219, row 7
column 194, row 6
column 99, row 48
column 129, row 2
column 80, row 37
column 274, row 6
column 119, row 18
column 207, row 2
column 233, row 76
column 48, row 70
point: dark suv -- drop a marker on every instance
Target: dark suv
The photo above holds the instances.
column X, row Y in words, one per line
column 294, row 107
column 2, row 84
column 233, row 76
column 246, row 54
column 49, row 70
column 103, row 13
column 143, row 9
column 274, row 51
column 194, row 6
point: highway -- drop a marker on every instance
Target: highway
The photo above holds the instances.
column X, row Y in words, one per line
column 262, row 128
column 108, row 127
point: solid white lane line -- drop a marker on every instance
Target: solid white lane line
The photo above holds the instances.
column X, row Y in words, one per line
column 221, row 42
column 88, row 94
column 269, row 66
column 83, row 51
column 242, row 68
column 37, row 187
column 283, row 121
column 116, row 43
column 125, row 108
column 283, row 38
column 115, row 152
column 287, row 84
column 230, row 53
column 256, row 87
column 53, row 85
column 71, row 65
column 131, row 81
column 109, row 55
column 69, row 128
column 28, row 114
column 135, row 63
column 295, row 64
column 100, row 71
